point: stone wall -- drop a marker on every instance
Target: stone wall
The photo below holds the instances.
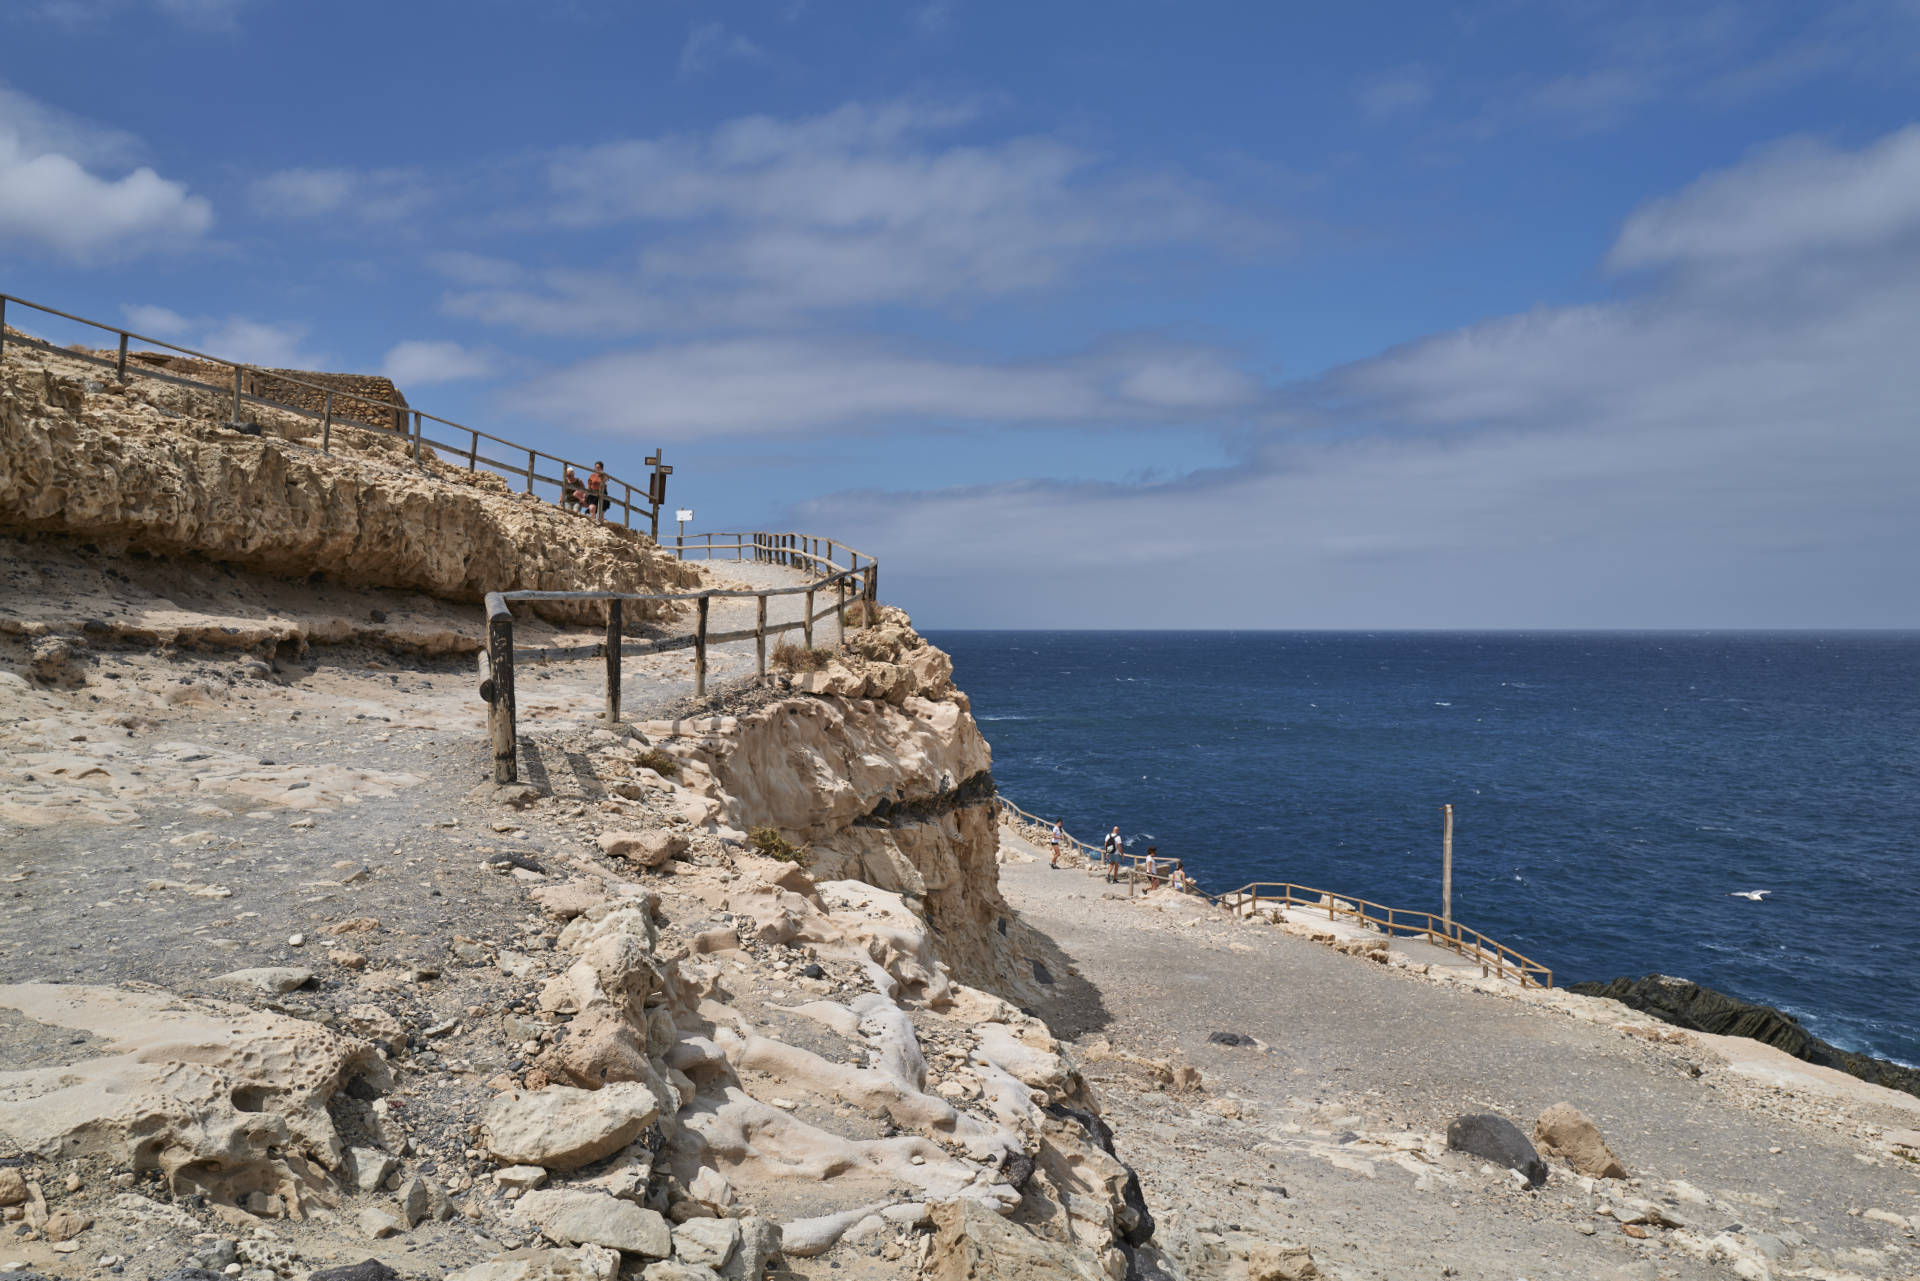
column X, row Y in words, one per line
column 311, row 399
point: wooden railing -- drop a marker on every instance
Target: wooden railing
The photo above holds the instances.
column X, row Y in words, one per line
column 248, row 380
column 1493, row 958
column 845, row 582
column 1132, row 866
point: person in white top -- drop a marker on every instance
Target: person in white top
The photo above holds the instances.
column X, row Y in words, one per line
column 1111, row 848
column 1054, row 835
column 1152, row 868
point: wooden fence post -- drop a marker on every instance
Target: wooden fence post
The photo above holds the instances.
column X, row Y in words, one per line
column 500, row 717
column 700, row 650
column 873, row 582
column 123, row 357
column 626, row 514
column 3, row 328
column 473, row 451
column 326, row 427
column 416, row 435
column 1446, row 866
column 529, row 471
column 614, row 630
column 806, row 632
column 760, row 635
column 840, row 615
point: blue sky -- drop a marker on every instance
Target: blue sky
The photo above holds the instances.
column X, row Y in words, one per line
column 1133, row 314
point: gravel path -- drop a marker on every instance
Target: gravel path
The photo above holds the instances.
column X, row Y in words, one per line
column 1348, row 1047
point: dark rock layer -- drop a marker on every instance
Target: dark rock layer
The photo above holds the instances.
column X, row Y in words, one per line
column 1701, row 1009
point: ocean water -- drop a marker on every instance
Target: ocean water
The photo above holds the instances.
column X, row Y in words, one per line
column 1611, row 791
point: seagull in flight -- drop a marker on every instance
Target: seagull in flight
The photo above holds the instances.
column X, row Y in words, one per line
column 1755, row 895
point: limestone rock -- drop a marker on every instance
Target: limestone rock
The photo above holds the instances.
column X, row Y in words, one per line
column 378, row 1026
column 1563, row 1131
column 59, row 660
column 649, row 849
column 371, row 1168
column 672, row 1270
column 759, row 1242
column 569, row 899
column 706, row 1241
column 562, row 1128
column 275, row 980
column 1498, row 1140
column 13, row 1188
column 1273, row 1261
column 711, row 1189
column 378, row 1223
column 64, row 1225
column 224, row 1100
column 593, row 1218
column 972, row 1243
column 586, row 1263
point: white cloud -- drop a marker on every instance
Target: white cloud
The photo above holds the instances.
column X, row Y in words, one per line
column 709, row 44
column 255, row 342
column 210, row 15
column 1799, row 195
column 51, row 201
column 1724, row 449
column 1393, row 92
column 158, row 322
column 770, row 386
column 378, row 195
column 417, row 363
column 763, row 220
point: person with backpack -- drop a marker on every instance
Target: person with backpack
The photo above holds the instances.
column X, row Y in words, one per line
column 1110, row 849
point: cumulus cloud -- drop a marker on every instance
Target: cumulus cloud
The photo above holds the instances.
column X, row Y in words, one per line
column 238, row 338
column 771, row 386
column 417, row 363
column 52, row 198
column 1719, row 449
column 157, row 322
column 378, row 195
column 1798, row 195
column 1392, row 92
column 709, row 44
column 766, row 219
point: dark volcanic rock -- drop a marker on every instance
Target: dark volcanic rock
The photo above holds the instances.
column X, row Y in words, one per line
column 365, row 1270
column 1498, row 1140
column 1701, row 1009
column 1229, row 1038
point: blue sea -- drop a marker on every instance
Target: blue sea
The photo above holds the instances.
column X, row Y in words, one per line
column 1611, row 791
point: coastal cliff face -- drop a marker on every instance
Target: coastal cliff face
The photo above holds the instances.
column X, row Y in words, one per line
column 875, row 767
column 152, row 467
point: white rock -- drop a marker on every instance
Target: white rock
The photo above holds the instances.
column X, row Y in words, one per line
column 587, row 1263
column 272, row 979
column 563, row 1128
column 594, row 1218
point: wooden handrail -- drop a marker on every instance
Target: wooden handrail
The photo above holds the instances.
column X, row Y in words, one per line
column 386, row 409
column 844, row 582
column 1492, row 956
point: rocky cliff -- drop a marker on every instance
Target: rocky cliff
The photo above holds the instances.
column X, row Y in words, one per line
column 154, row 467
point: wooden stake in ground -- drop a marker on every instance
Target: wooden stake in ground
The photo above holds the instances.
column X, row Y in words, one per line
column 1446, row 867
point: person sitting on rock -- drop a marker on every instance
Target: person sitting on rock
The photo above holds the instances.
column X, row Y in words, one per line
column 573, row 495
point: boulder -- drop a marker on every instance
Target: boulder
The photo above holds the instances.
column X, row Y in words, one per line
column 1275, row 1261
column 759, row 1242
column 710, row 1242
column 1498, row 1140
column 365, row 1270
column 59, row 660
column 1563, row 1131
column 649, row 849
column 575, row 1217
column 586, row 1263
column 371, row 1168
column 972, row 1243
column 563, row 1128
column 13, row 1187
column 275, row 980
column 569, row 899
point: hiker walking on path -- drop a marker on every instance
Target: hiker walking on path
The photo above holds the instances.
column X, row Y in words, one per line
column 1153, row 867
column 1111, row 848
column 1054, row 834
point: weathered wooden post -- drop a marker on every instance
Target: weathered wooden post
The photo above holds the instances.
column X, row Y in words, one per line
column 236, row 395
column 500, row 714
column 416, row 435
column 326, row 427
column 1446, row 868
column 700, row 650
column 614, row 630
column 840, row 615
column 760, row 635
column 626, row 515
column 529, row 471
column 3, row 328
column 123, row 357
column 873, row 582
column 806, row 631
column 473, row 450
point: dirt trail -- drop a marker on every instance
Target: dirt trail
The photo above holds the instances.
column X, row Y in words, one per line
column 1358, row 1069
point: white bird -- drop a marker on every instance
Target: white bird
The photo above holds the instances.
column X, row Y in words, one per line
column 1755, row 895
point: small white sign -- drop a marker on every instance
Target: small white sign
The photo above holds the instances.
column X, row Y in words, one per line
column 684, row 515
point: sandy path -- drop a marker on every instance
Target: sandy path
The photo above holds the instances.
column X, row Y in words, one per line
column 1352, row 1048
